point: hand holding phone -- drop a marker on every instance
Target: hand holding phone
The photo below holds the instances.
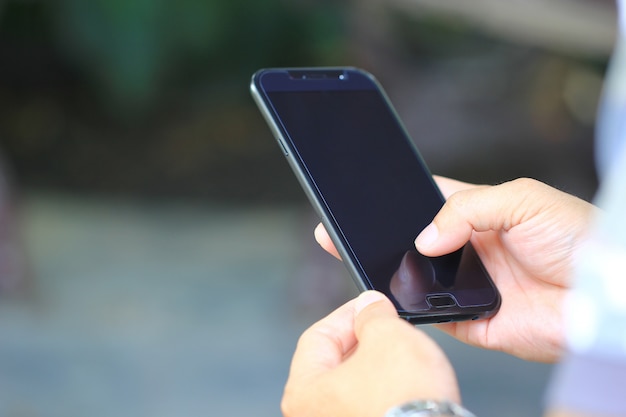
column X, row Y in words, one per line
column 371, row 189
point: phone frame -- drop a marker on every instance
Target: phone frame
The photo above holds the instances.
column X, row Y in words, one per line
column 326, row 76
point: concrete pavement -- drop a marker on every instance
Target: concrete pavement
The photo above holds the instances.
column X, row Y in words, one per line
column 175, row 309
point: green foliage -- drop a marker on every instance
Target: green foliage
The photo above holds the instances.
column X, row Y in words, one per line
column 131, row 48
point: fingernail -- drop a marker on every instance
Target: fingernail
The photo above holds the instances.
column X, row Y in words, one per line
column 428, row 236
column 366, row 298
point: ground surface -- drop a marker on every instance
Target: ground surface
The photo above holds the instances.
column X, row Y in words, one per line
column 169, row 310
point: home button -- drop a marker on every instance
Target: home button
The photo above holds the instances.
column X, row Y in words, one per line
column 441, row 300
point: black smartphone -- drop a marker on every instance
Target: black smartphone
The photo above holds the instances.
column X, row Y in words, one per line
column 371, row 189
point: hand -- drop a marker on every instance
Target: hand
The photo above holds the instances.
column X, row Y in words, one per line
column 361, row 360
column 526, row 234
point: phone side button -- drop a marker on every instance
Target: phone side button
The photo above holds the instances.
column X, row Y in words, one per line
column 284, row 148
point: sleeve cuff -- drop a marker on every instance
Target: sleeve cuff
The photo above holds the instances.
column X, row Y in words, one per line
column 589, row 384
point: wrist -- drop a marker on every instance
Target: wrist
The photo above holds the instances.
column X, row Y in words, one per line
column 429, row 408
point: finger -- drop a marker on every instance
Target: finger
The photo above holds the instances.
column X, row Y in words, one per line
column 323, row 345
column 383, row 337
column 322, row 237
column 449, row 186
column 367, row 298
column 372, row 306
column 478, row 209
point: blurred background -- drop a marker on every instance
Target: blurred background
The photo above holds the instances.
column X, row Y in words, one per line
column 156, row 255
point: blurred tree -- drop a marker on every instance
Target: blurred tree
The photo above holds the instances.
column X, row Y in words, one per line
column 150, row 97
column 131, row 49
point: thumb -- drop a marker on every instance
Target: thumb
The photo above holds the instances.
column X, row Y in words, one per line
column 371, row 306
column 480, row 209
column 366, row 300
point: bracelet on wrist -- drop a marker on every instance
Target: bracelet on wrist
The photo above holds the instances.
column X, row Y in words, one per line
column 429, row 408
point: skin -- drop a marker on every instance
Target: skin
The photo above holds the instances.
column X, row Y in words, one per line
column 362, row 359
column 526, row 233
column 343, row 363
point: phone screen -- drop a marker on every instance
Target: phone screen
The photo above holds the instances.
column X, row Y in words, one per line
column 375, row 192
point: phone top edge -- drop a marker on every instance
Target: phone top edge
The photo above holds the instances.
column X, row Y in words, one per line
column 262, row 71
column 313, row 79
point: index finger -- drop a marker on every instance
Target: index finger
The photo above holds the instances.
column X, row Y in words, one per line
column 324, row 240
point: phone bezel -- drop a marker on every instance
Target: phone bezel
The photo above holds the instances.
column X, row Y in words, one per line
column 345, row 79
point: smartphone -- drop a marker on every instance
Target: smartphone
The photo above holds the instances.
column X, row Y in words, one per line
column 373, row 192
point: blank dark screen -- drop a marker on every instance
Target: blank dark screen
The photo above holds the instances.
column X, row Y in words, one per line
column 367, row 172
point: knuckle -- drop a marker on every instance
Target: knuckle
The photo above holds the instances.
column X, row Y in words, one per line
column 525, row 184
column 459, row 201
